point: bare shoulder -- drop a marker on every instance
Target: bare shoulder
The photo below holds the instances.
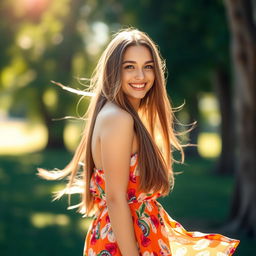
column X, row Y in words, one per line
column 116, row 137
column 111, row 116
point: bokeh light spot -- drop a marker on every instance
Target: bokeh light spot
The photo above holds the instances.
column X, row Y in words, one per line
column 41, row 220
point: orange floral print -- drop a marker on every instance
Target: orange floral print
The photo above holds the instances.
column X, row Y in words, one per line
column 157, row 234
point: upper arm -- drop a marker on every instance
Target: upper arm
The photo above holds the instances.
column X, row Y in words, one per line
column 116, row 146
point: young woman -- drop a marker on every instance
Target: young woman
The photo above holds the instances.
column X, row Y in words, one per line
column 126, row 152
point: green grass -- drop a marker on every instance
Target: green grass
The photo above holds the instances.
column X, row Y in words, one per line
column 30, row 224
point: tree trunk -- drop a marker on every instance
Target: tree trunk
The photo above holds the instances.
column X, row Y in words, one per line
column 243, row 33
column 63, row 73
column 222, row 87
column 55, row 129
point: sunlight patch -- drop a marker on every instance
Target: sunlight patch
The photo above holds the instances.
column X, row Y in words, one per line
column 41, row 220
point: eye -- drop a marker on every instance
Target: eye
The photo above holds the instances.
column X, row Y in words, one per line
column 149, row 66
column 128, row 67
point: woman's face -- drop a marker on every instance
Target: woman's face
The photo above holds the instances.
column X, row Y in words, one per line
column 138, row 73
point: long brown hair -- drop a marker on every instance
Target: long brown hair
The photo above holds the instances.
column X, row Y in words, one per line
column 153, row 124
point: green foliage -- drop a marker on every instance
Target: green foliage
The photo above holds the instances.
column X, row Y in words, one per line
column 58, row 41
column 192, row 36
column 44, row 43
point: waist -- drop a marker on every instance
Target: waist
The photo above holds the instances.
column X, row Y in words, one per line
column 147, row 200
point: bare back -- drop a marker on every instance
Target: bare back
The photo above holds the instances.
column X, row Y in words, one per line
column 96, row 142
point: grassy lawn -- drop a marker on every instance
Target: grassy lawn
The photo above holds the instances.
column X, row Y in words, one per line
column 30, row 224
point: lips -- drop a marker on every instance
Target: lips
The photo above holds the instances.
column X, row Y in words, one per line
column 137, row 85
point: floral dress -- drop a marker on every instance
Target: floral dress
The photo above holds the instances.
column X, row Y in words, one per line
column 157, row 234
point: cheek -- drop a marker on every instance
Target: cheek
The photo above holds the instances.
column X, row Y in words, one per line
column 151, row 76
column 150, row 73
column 125, row 77
column 125, row 81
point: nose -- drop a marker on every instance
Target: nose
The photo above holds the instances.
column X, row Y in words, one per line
column 140, row 74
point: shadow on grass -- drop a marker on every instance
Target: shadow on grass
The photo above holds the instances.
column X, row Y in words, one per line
column 30, row 224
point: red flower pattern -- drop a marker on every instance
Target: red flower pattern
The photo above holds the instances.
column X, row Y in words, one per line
column 111, row 247
column 154, row 220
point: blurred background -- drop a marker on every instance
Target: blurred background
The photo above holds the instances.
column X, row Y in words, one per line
column 210, row 50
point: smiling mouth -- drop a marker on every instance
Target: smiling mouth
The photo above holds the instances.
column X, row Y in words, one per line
column 137, row 85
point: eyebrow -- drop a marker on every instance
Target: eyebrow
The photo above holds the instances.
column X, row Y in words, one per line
column 131, row 61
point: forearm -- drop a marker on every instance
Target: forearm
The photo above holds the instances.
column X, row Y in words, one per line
column 122, row 225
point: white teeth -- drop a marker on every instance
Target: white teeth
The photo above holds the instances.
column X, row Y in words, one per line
column 138, row 85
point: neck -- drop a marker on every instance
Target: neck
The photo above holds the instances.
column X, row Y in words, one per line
column 135, row 103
